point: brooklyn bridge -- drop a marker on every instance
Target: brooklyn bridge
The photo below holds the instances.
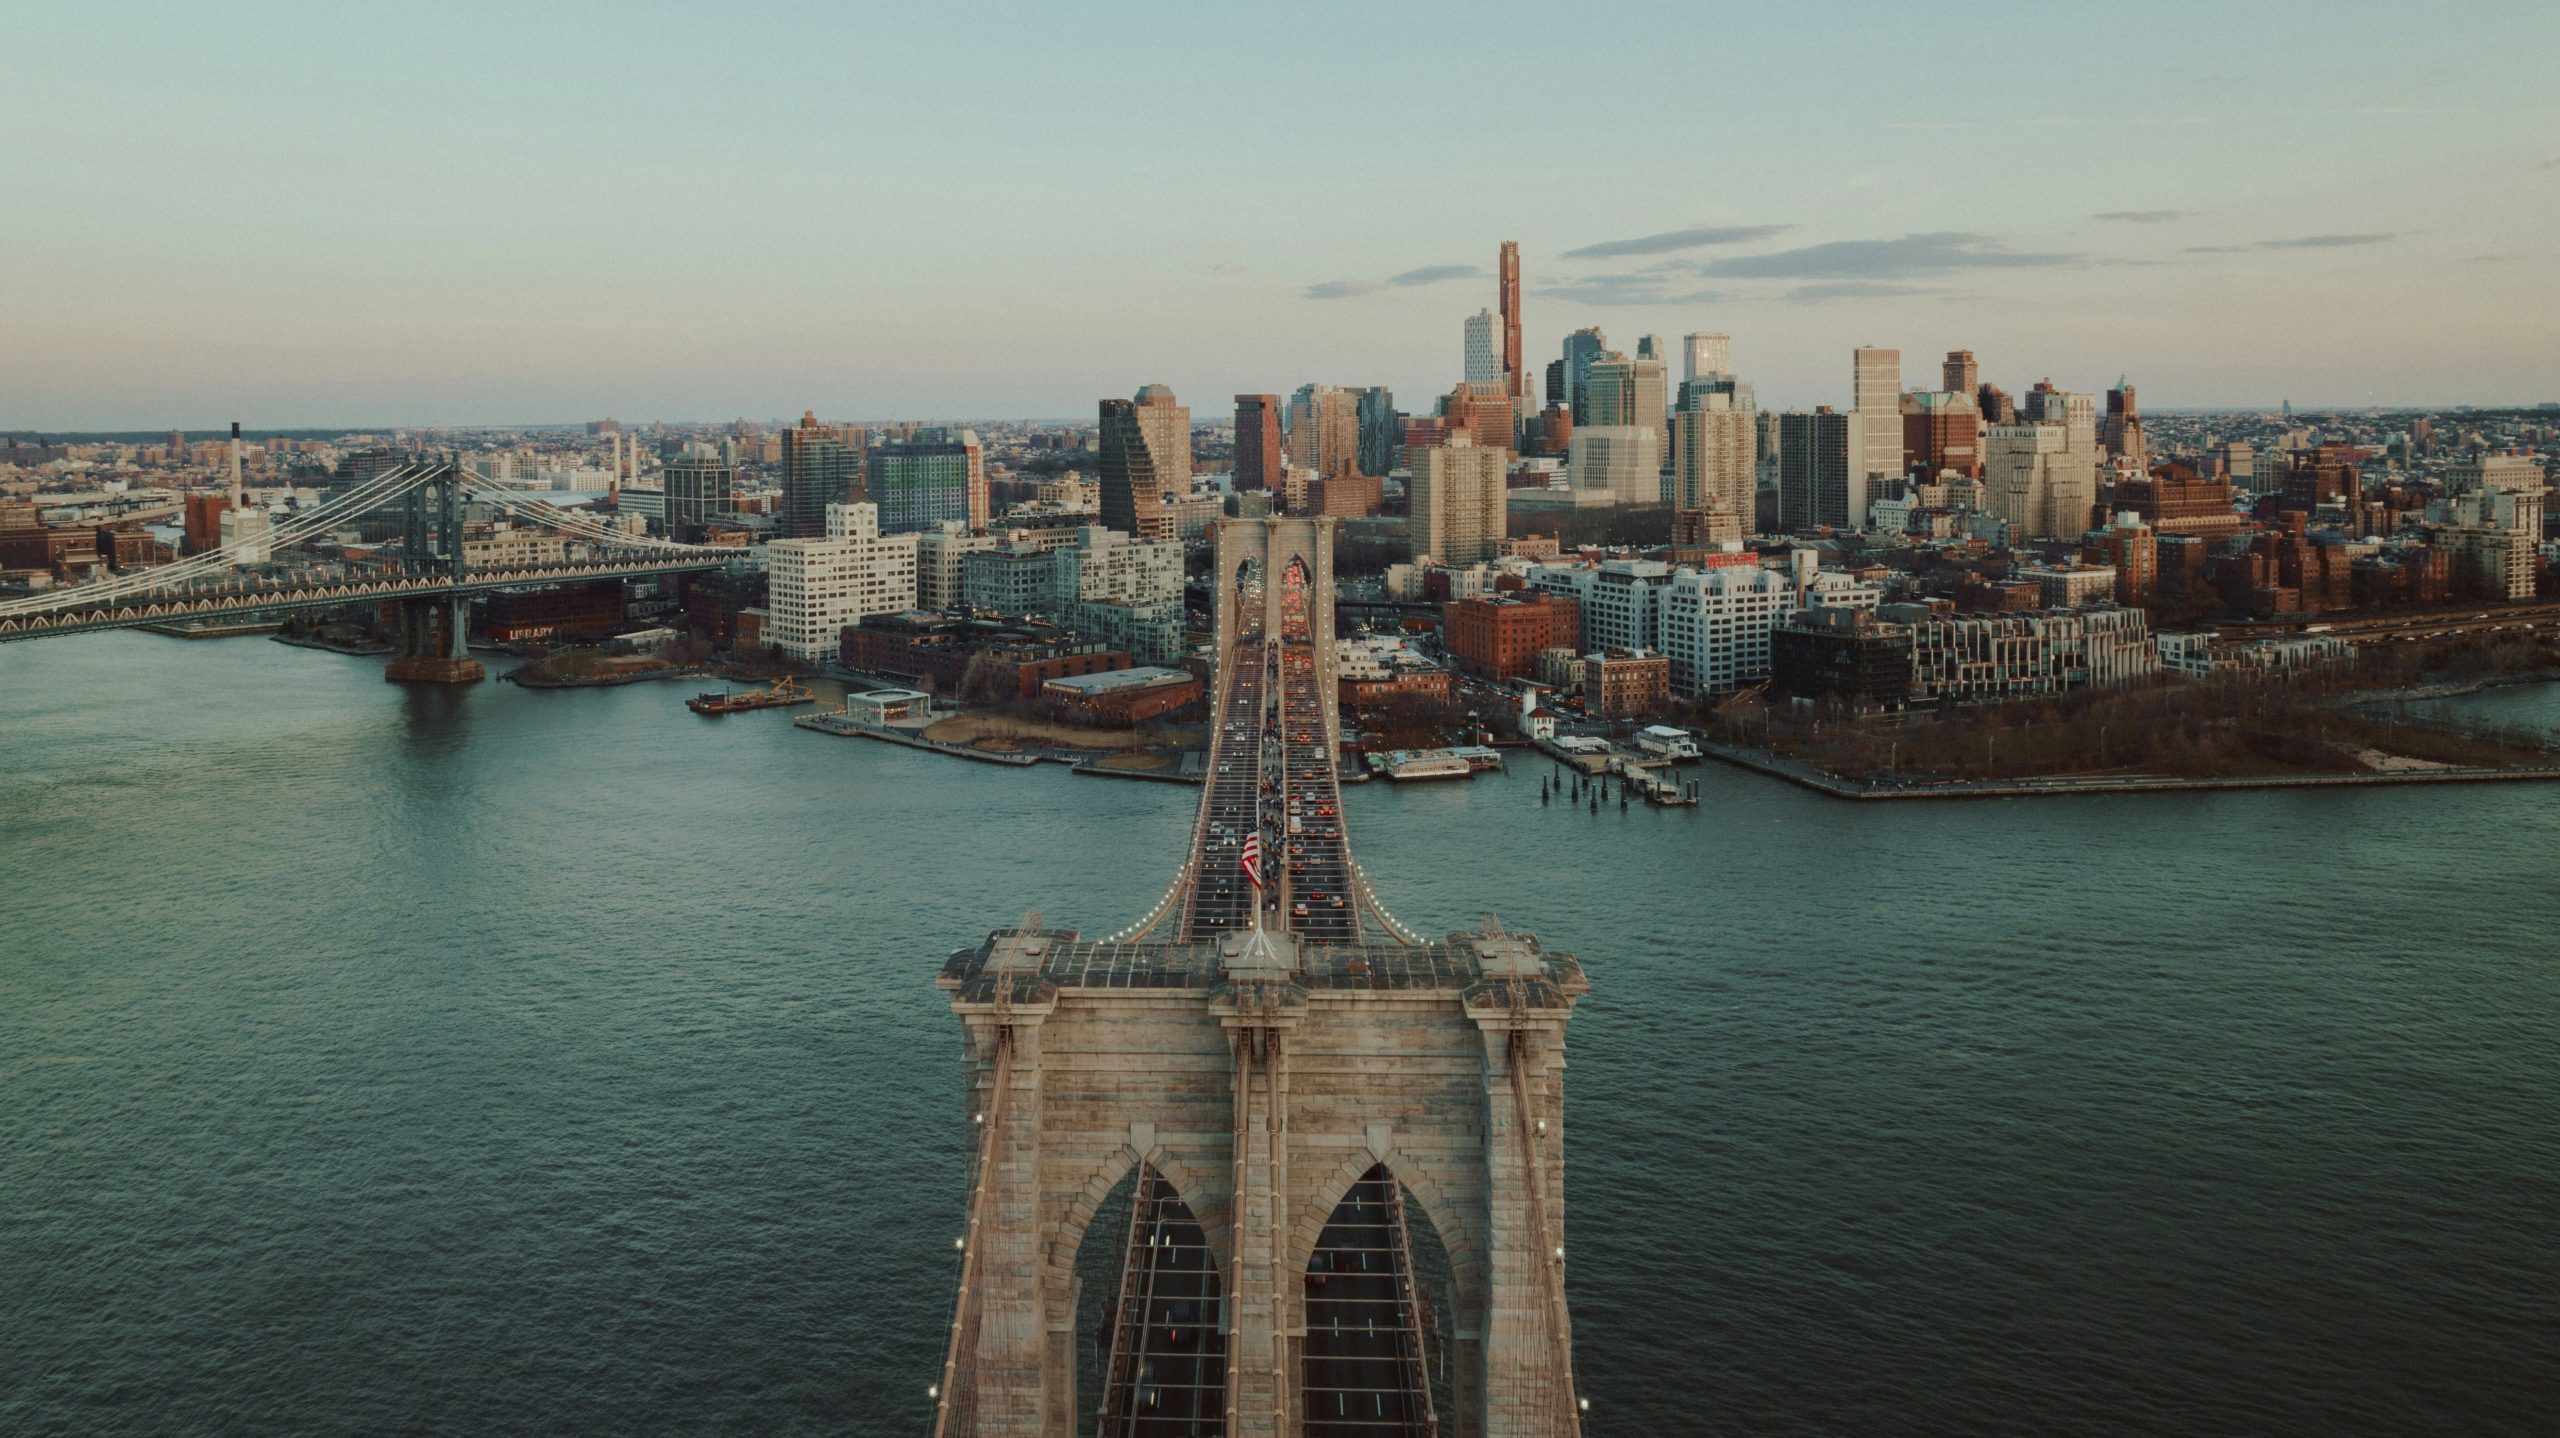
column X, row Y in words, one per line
column 1265, row 1162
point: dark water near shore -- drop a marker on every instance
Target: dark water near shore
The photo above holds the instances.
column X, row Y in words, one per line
column 482, row 1062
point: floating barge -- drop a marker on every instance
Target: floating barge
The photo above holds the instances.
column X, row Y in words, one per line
column 782, row 694
column 1409, row 765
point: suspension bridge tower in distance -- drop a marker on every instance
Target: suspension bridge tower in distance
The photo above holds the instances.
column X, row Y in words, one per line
column 434, row 629
column 1265, row 1162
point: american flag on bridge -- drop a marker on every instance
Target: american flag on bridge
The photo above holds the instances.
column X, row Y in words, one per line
column 1252, row 858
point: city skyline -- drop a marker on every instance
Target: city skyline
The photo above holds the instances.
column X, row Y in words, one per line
column 257, row 216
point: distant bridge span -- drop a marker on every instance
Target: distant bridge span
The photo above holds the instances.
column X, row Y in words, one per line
column 428, row 579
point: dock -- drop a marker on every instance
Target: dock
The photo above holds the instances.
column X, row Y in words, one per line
column 834, row 721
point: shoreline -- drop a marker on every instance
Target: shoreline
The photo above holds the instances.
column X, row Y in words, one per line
column 353, row 651
column 1821, row 781
column 606, row 681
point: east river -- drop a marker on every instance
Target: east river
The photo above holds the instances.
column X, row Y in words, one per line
column 419, row 1061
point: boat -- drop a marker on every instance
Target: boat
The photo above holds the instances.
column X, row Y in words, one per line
column 1441, row 765
column 784, row 692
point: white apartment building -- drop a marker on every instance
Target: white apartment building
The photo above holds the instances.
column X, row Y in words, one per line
column 1716, row 621
column 819, row 586
column 1621, row 600
column 941, row 563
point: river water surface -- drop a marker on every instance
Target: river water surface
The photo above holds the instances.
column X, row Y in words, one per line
column 490, row 1061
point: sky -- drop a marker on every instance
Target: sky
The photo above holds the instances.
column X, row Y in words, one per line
column 456, row 213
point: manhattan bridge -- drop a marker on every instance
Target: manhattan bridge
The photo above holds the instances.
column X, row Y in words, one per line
column 423, row 571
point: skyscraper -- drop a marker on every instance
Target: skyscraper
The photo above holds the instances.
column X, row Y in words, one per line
column 1324, row 430
column 933, row 476
column 1514, row 375
column 2121, row 432
column 1876, row 401
column 1484, row 362
column 1815, row 484
column 1580, row 348
column 1715, row 448
column 1962, row 375
column 1378, row 434
column 818, row 470
column 1457, row 494
column 1704, row 354
column 1145, row 462
column 1259, row 456
column 1628, row 392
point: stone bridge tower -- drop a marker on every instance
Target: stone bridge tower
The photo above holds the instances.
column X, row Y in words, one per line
column 1264, row 1163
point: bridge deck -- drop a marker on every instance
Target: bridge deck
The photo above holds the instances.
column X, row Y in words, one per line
column 1069, row 961
column 1271, row 772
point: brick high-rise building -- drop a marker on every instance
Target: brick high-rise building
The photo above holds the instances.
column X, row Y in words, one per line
column 1961, row 374
column 2176, row 500
column 2128, row 546
column 1515, row 377
column 818, row 469
column 1259, row 455
column 1457, row 498
column 1499, row 637
column 1941, row 430
column 1482, row 410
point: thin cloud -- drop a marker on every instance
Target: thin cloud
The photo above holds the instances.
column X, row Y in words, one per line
column 1943, row 252
column 1626, row 290
column 2217, row 249
column 1854, row 290
column 2325, row 242
column 1670, row 240
column 1427, row 275
column 2143, row 217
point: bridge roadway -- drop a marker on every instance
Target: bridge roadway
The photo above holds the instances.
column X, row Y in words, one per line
column 1271, row 771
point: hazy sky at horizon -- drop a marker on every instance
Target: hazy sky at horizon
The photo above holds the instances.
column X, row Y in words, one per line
column 320, row 214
